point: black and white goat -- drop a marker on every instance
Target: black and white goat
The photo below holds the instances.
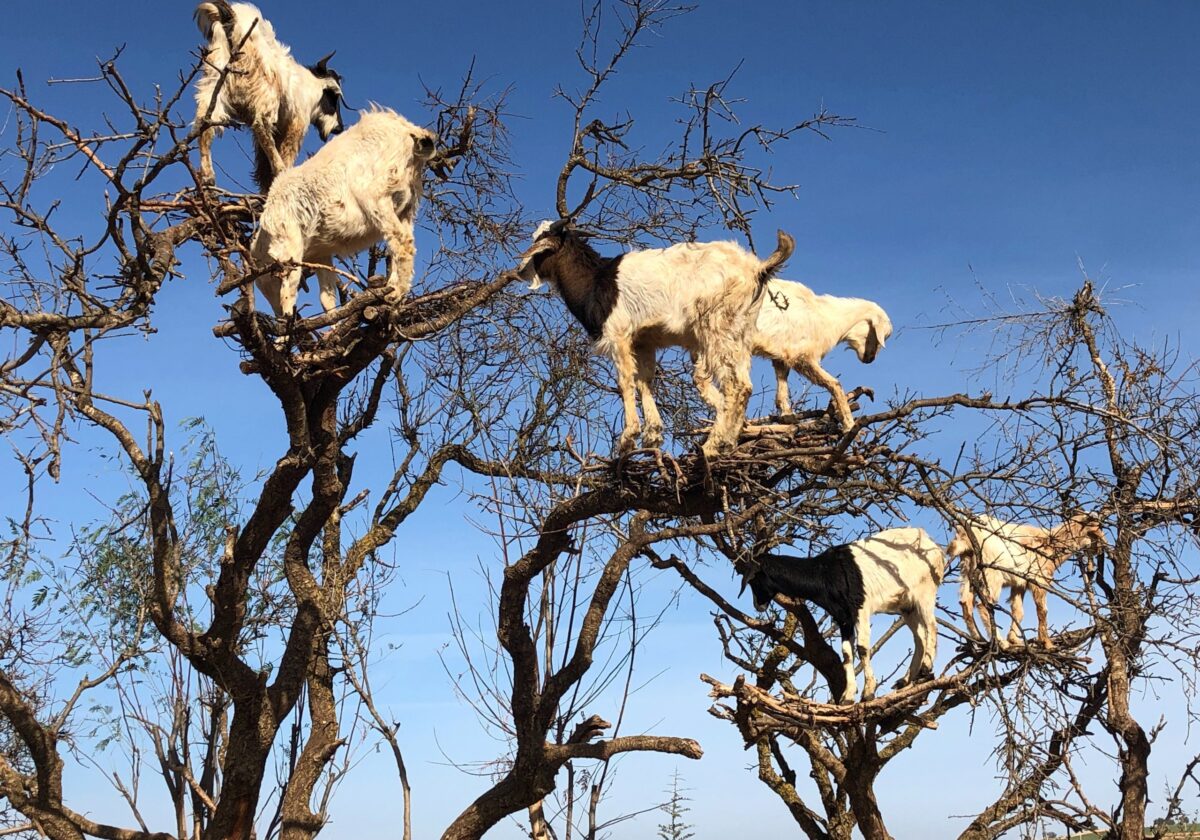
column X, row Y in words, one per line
column 704, row 297
column 797, row 328
column 1019, row 557
column 896, row 572
column 249, row 77
column 360, row 187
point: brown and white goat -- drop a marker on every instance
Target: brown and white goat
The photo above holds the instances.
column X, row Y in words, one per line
column 1019, row 557
column 704, row 297
column 359, row 188
column 249, row 77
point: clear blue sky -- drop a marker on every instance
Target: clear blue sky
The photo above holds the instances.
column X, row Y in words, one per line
column 1010, row 141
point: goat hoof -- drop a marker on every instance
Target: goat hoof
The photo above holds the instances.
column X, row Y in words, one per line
column 714, row 448
column 652, row 438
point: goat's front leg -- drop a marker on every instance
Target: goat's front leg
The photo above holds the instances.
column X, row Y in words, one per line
column 623, row 359
column 206, row 166
column 402, row 248
column 328, row 282
column 848, row 667
column 814, row 373
column 653, row 435
column 783, row 402
column 289, row 288
column 863, row 628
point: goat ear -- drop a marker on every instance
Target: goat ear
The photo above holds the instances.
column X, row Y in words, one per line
column 873, row 342
column 525, row 268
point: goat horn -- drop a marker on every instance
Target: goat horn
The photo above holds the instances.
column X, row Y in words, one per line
column 321, row 63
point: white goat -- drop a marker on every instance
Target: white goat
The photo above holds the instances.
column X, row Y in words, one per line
column 797, row 328
column 264, row 88
column 701, row 296
column 362, row 186
column 1020, row 557
column 896, row 572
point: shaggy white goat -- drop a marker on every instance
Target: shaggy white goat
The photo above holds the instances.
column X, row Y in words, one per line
column 895, row 572
column 1020, row 557
column 797, row 328
column 264, row 88
column 360, row 187
column 701, row 296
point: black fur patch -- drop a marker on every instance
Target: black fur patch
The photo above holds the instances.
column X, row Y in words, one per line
column 832, row 580
column 872, row 345
column 586, row 281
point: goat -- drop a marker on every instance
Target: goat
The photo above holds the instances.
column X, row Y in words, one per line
column 249, row 77
column 896, row 572
column 360, row 187
column 1020, row 557
column 797, row 328
column 704, row 297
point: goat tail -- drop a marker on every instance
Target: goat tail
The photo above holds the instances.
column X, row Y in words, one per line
column 772, row 264
column 209, row 14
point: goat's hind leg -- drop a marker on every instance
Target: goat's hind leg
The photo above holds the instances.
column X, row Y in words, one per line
column 733, row 374
column 924, row 646
column 264, row 139
column 1039, row 603
column 652, row 436
column 1016, row 605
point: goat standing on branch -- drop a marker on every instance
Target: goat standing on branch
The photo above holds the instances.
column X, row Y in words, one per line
column 362, row 186
column 797, row 328
column 1020, row 557
column 701, row 296
column 896, row 572
column 251, row 78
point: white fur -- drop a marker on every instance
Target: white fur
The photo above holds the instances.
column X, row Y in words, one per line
column 1019, row 557
column 704, row 297
column 797, row 328
column 266, row 88
column 360, row 187
column 901, row 570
